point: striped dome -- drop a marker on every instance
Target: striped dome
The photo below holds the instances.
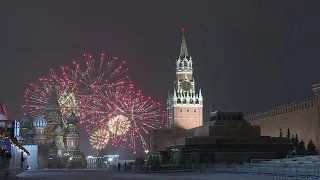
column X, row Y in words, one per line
column 39, row 122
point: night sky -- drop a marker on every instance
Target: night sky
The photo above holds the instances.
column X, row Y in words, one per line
column 248, row 55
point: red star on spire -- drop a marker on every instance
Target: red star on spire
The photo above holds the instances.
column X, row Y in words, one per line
column 183, row 29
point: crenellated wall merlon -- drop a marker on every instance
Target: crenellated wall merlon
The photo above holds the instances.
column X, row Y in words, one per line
column 286, row 109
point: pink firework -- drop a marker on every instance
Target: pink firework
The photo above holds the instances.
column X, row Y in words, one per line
column 54, row 92
column 101, row 93
column 95, row 77
column 139, row 115
column 112, row 97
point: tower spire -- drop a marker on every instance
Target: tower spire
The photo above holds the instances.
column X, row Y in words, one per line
column 183, row 49
column 54, row 93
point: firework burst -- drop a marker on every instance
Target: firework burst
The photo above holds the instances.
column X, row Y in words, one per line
column 96, row 77
column 53, row 90
column 119, row 125
column 102, row 95
column 72, row 84
column 99, row 139
column 110, row 102
column 128, row 116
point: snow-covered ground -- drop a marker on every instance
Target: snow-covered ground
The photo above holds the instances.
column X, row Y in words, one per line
column 99, row 175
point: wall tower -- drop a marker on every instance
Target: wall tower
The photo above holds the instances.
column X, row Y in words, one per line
column 185, row 105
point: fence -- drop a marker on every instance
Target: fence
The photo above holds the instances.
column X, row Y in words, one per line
column 272, row 169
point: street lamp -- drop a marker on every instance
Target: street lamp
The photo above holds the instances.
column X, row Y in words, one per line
column 147, row 153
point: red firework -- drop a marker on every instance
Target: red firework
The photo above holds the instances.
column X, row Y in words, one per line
column 112, row 97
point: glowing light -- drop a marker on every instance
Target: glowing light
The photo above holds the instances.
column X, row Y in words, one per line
column 119, row 125
column 99, row 139
column 110, row 93
column 57, row 91
column 68, row 104
column 98, row 92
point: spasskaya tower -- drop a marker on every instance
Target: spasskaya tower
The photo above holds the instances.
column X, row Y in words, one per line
column 185, row 105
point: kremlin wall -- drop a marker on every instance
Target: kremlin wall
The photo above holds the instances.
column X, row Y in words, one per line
column 302, row 118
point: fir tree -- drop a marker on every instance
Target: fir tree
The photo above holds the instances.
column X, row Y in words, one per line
column 288, row 134
column 280, row 135
column 311, row 148
column 302, row 148
column 296, row 141
column 292, row 140
column 293, row 148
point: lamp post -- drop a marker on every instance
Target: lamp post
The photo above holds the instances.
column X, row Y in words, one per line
column 147, row 153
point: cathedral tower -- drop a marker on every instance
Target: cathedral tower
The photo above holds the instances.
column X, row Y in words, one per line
column 185, row 105
column 39, row 123
column 52, row 113
column 72, row 137
column 59, row 133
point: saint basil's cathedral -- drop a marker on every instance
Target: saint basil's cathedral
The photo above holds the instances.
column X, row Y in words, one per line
column 57, row 139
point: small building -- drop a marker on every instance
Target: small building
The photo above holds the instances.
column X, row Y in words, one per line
column 226, row 138
column 12, row 154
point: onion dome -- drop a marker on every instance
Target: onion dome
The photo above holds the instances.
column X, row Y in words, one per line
column 39, row 122
column 30, row 133
column 59, row 131
column 26, row 122
column 72, row 119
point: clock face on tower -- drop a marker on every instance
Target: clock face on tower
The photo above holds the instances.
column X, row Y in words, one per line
column 186, row 85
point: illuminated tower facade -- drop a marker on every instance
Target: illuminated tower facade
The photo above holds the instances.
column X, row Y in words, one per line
column 59, row 134
column 185, row 105
column 52, row 114
column 39, row 123
column 72, row 137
